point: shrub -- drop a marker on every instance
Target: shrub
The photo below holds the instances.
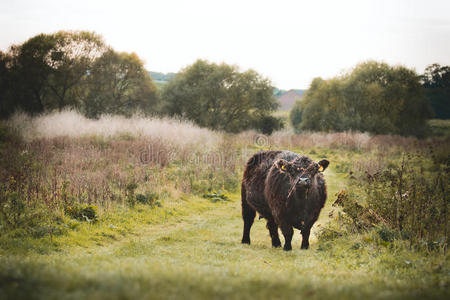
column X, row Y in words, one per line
column 149, row 198
column 218, row 196
column 85, row 212
column 269, row 124
column 12, row 210
column 357, row 216
column 408, row 196
column 130, row 189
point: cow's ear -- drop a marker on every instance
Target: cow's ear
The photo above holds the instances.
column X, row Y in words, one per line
column 282, row 165
column 323, row 164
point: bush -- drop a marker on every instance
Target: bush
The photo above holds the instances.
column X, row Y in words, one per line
column 20, row 217
column 149, row 198
column 295, row 116
column 85, row 212
column 13, row 212
column 357, row 216
column 407, row 198
column 412, row 196
column 269, row 124
column 216, row 196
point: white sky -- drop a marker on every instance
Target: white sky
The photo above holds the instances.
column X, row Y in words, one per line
column 291, row 42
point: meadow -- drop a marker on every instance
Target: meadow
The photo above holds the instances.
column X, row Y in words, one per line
column 126, row 208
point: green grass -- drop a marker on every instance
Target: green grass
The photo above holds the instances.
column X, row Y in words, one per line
column 439, row 127
column 190, row 249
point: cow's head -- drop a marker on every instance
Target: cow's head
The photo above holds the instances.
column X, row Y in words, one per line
column 301, row 171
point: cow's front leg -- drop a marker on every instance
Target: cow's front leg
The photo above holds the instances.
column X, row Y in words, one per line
column 288, row 232
column 305, row 236
column 273, row 230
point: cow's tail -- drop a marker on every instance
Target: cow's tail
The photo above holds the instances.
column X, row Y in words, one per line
column 243, row 193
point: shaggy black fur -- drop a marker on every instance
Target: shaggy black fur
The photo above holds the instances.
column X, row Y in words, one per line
column 286, row 189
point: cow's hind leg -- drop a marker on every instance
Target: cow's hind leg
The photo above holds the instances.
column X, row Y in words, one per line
column 273, row 230
column 248, row 215
column 288, row 232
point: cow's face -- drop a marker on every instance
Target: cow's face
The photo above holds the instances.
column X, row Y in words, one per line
column 301, row 171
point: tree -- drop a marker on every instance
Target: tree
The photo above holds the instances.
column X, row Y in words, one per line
column 73, row 69
column 436, row 81
column 71, row 58
column 7, row 106
column 25, row 74
column 118, row 84
column 220, row 97
column 295, row 115
column 373, row 97
column 44, row 71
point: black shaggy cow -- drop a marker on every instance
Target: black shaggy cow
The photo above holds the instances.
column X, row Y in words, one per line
column 286, row 189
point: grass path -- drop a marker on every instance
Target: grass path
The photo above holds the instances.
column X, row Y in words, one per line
column 199, row 256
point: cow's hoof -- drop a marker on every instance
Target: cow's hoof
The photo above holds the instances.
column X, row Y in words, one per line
column 245, row 242
column 304, row 247
column 287, row 248
column 276, row 244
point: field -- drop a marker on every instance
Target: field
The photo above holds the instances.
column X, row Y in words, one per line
column 440, row 127
column 124, row 208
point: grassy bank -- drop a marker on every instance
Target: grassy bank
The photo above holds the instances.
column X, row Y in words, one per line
column 196, row 253
column 120, row 210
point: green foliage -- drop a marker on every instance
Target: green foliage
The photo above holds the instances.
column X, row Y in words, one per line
column 73, row 69
column 439, row 127
column 130, row 193
column 408, row 198
column 412, row 197
column 118, row 84
column 295, row 116
column 12, row 209
column 7, row 135
column 436, row 81
column 218, row 196
column 356, row 216
column 47, row 69
column 149, row 198
column 84, row 212
column 269, row 124
column 220, row 97
column 19, row 218
column 374, row 97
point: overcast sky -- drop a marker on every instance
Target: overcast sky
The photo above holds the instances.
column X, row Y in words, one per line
column 291, row 42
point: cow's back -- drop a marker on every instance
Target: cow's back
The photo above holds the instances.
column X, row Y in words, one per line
column 254, row 178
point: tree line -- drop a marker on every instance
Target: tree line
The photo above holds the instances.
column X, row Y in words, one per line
column 375, row 97
column 77, row 69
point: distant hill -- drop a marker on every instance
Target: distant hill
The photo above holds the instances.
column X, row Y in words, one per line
column 288, row 98
column 158, row 76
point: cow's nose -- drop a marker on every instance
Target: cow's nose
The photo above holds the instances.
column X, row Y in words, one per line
column 304, row 181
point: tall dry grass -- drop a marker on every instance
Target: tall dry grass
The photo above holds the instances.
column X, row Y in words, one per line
column 72, row 124
column 176, row 133
column 63, row 159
